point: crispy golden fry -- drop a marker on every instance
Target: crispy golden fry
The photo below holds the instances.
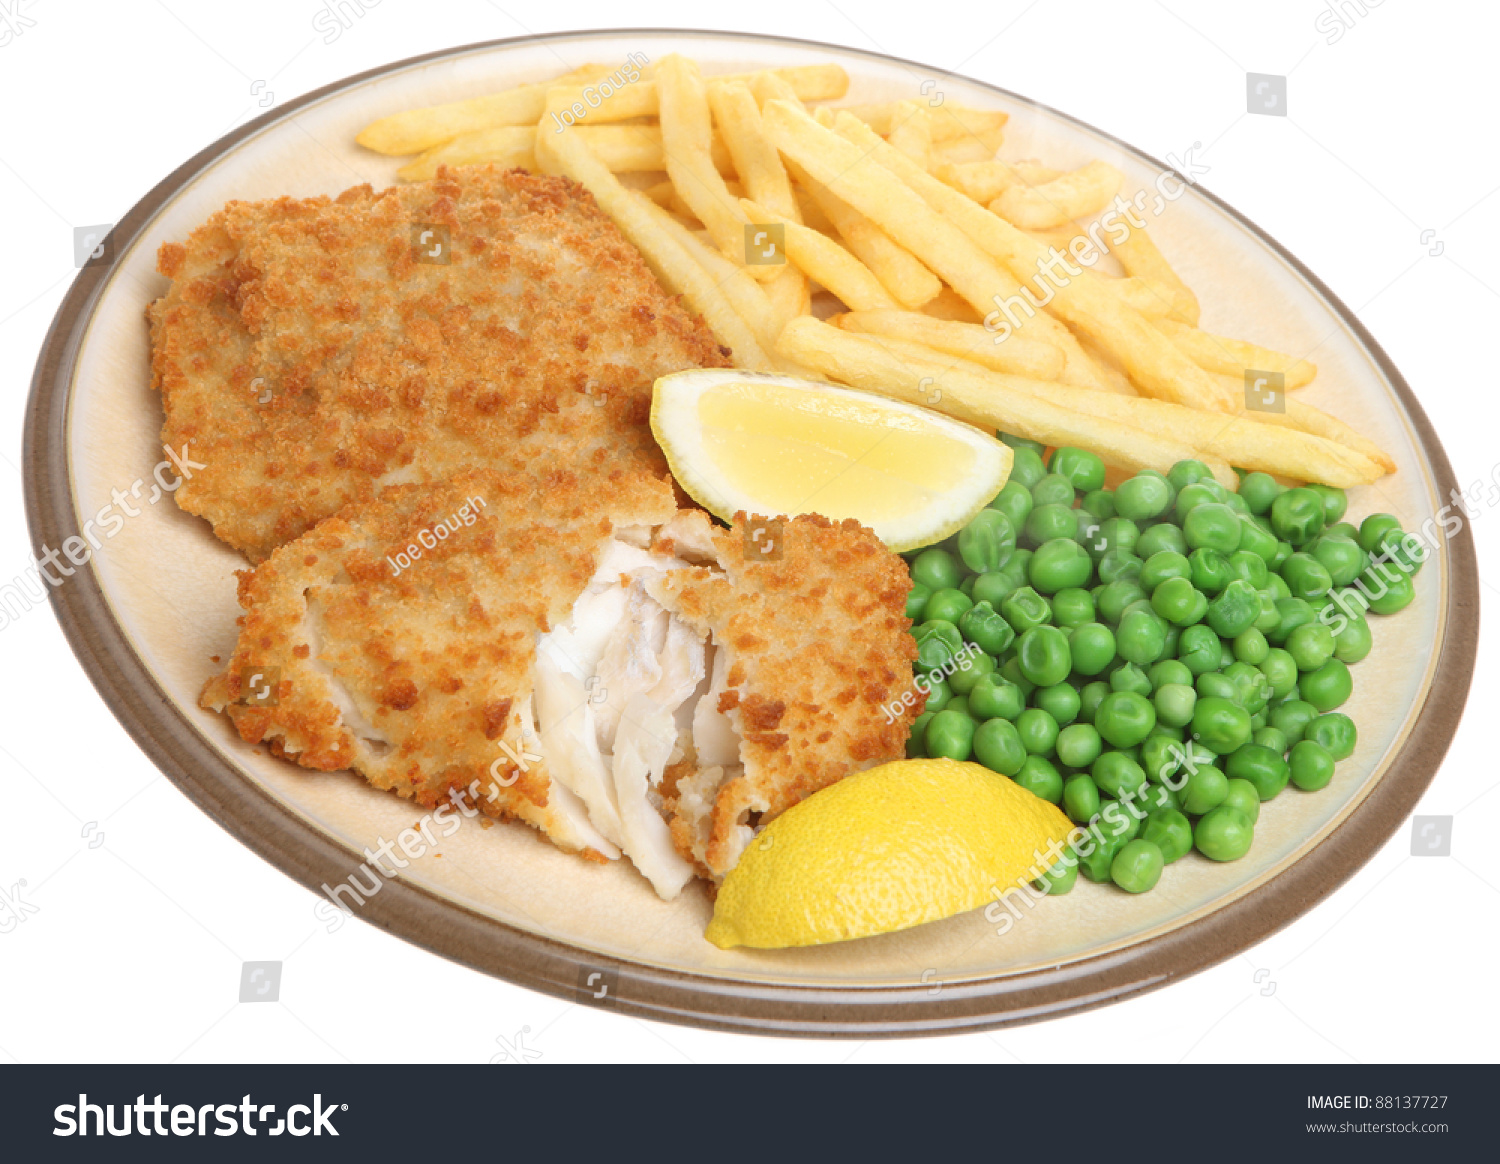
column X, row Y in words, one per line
column 898, row 269
column 1231, row 357
column 687, row 142
column 1083, row 191
column 1139, row 255
column 968, row 392
column 1156, row 300
column 808, row 82
column 812, row 212
column 771, row 86
column 1017, row 356
column 949, row 120
column 745, row 295
column 1085, row 301
column 569, row 154
column 851, row 172
column 911, row 132
column 825, row 262
column 1303, row 417
column 415, row 130
column 949, row 304
column 623, row 148
column 755, row 158
column 986, row 181
column 976, row 150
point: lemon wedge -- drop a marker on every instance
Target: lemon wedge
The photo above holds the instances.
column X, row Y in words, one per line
column 886, row 849
column 780, row 446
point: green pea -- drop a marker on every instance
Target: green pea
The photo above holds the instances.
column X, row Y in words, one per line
column 1142, row 636
column 1244, row 796
column 1165, row 671
column 1224, row 834
column 1252, row 688
column 1205, row 790
column 1170, row 832
column 995, row 587
column 1157, row 538
column 1269, row 738
column 1164, row 565
column 1250, row 646
column 1327, row 687
column 1217, row 685
column 1137, row 867
column 948, row 605
column 1026, row 609
column 1153, row 798
column 1060, row 878
column 1297, row 516
column 1310, row 646
column 1116, row 774
column 1342, row 559
column 1388, row 589
column 1082, row 467
column 1220, row 726
column 916, row 747
column 1174, row 704
column 1143, row 497
column 950, row 735
column 987, row 541
column 1374, row 529
column 1335, row 732
column 1213, row 526
column 1038, row 776
column 997, row 745
column 985, row 628
column 1292, row 613
column 1079, row 745
column 1054, row 489
column 1276, row 584
column 1283, row 552
column 1312, row 765
column 1261, row 767
column 1335, row 502
column 1089, row 700
column 1039, row 731
column 971, row 669
column 1118, row 564
column 960, row 704
column 1072, row 607
column 1211, row 571
column 994, row 696
column 1189, row 498
column 1061, row 701
column 1259, row 490
column 1129, row 677
column 1059, row 564
column 1178, row 602
column 936, row 569
column 1020, row 442
column 1044, row 656
column 1185, row 473
column 1235, row 610
column 1026, row 467
column 1100, row 502
column 1080, row 798
column 1010, row 670
column 1125, row 718
column 1305, row 576
column 1280, row 670
column 1198, row 649
column 1115, row 597
column 1257, row 542
column 1352, row 641
column 916, row 601
column 1095, row 864
column 1291, row 719
column 1091, row 647
column 1014, row 501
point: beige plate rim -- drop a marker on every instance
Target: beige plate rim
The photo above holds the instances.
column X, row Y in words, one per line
column 427, row 919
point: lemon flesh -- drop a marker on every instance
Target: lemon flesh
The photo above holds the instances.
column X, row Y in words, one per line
column 886, row 849
column 779, row 446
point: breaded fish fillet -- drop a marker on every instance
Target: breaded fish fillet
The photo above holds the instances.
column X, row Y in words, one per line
column 573, row 650
column 310, row 352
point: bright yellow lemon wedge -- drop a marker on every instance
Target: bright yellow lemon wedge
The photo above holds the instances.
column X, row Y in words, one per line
column 886, row 849
column 779, row 446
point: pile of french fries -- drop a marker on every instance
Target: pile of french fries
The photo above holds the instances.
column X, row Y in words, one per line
column 878, row 246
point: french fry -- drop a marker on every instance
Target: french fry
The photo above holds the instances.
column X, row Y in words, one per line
column 911, row 132
column 1154, row 364
column 1081, row 192
column 949, row 304
column 641, row 99
column 623, row 148
column 986, row 181
column 824, row 261
column 687, row 142
column 851, row 173
column 755, row 158
column 949, row 120
column 1017, row 356
column 1230, row 357
column 898, row 270
column 1156, row 300
column 988, row 400
column 770, row 86
column 415, row 130
column 974, row 150
column 568, row 154
column 1305, row 418
column 1139, row 255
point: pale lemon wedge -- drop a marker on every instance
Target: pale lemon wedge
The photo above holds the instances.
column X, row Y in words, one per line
column 778, row 446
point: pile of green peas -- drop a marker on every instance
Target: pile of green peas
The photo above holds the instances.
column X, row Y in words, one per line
column 1157, row 659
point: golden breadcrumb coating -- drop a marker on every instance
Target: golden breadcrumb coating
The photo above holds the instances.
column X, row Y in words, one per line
column 308, row 357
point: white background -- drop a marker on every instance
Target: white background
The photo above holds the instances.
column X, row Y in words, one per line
column 136, row 951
